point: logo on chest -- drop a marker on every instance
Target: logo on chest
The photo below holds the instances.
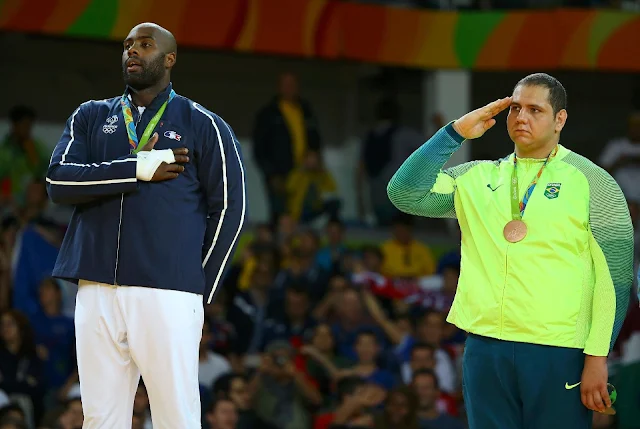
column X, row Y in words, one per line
column 552, row 190
column 172, row 135
column 111, row 126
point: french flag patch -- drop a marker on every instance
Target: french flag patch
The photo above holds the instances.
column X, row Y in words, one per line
column 172, row 135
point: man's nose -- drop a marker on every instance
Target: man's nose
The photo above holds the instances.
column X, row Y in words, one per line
column 133, row 51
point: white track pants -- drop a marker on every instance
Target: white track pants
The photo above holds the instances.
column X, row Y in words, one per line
column 123, row 332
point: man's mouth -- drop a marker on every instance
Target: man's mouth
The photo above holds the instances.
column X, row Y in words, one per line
column 133, row 66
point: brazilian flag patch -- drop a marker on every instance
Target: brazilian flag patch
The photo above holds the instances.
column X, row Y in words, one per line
column 552, row 190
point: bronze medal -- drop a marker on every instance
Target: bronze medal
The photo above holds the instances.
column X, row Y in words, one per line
column 515, row 231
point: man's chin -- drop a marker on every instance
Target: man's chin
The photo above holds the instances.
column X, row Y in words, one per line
column 135, row 81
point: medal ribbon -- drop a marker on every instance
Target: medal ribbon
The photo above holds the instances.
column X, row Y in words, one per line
column 517, row 206
column 131, row 126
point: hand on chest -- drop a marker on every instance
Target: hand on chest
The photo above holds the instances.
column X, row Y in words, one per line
column 116, row 138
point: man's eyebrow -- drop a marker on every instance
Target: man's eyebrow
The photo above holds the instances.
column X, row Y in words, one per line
column 139, row 37
column 535, row 106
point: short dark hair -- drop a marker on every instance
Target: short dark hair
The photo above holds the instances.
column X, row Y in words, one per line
column 222, row 385
column 18, row 113
column 557, row 93
column 423, row 346
column 426, row 372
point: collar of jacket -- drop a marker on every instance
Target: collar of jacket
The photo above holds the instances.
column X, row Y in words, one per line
column 157, row 101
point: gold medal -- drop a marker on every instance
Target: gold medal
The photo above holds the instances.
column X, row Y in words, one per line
column 515, row 231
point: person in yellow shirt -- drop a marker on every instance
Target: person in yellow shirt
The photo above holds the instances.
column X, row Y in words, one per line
column 311, row 190
column 284, row 130
column 404, row 256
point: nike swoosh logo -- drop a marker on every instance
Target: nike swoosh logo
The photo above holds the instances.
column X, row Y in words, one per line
column 569, row 387
column 493, row 189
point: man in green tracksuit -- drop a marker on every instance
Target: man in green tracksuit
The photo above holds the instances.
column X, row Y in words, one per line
column 547, row 262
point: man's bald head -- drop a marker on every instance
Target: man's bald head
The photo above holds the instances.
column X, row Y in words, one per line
column 164, row 37
column 148, row 57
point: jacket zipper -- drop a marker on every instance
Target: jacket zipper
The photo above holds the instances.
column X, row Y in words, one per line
column 115, row 271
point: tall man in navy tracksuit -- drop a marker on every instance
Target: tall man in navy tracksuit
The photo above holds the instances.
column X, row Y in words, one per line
column 159, row 192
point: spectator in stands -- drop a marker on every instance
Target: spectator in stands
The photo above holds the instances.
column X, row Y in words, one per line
column 295, row 322
column 34, row 262
column 12, row 411
column 422, row 357
column 281, row 392
column 323, row 363
column 404, row 256
column 302, row 269
column 425, row 384
column 54, row 335
column 234, row 386
column 329, row 256
column 212, row 365
column 366, row 366
column 400, row 410
column 141, row 407
column 21, row 369
column 312, row 190
column 356, row 398
column 8, row 234
column 284, row 131
column 327, row 309
column 439, row 299
column 222, row 414
column 73, row 416
column 223, row 333
column 383, row 150
column 22, row 157
column 351, row 319
column 429, row 330
column 250, row 309
column 621, row 158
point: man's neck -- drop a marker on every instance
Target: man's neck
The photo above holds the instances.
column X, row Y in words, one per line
column 537, row 153
column 144, row 97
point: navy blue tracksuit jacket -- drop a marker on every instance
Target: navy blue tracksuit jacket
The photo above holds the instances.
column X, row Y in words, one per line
column 177, row 234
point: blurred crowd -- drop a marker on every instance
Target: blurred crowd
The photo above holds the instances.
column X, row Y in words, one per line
column 313, row 327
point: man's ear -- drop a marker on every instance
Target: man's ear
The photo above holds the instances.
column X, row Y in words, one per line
column 170, row 60
column 561, row 119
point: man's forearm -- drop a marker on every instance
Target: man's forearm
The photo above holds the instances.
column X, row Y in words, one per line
column 310, row 392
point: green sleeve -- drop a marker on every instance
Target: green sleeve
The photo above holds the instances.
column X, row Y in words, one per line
column 611, row 247
column 420, row 186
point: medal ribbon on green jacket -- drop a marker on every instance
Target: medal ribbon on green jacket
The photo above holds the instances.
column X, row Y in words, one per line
column 517, row 206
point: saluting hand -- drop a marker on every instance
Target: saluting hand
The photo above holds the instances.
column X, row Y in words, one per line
column 167, row 171
column 474, row 124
